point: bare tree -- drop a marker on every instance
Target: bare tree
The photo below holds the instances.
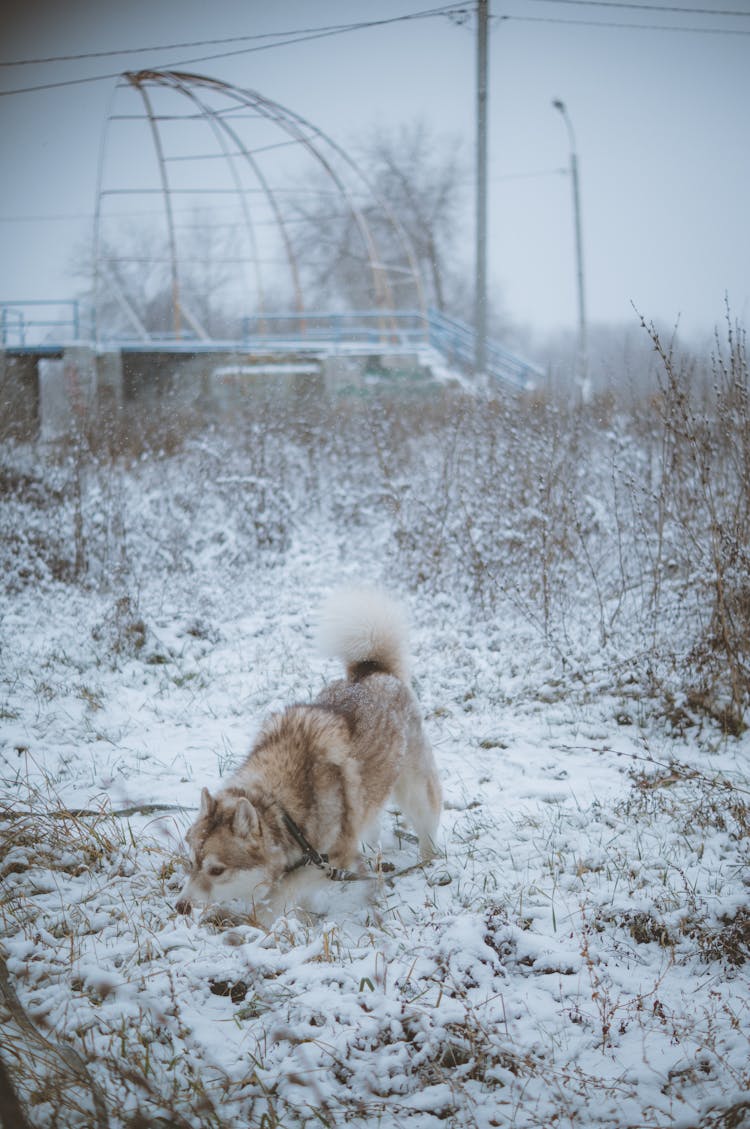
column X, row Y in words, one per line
column 132, row 283
column 424, row 180
column 330, row 249
column 415, row 206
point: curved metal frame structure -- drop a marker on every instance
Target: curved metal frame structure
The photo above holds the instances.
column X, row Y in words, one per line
column 196, row 106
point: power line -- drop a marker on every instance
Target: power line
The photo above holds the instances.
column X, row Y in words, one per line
column 281, row 36
column 730, row 12
column 618, row 26
column 528, row 175
column 75, row 216
column 67, row 216
column 152, row 47
column 305, row 35
column 280, row 39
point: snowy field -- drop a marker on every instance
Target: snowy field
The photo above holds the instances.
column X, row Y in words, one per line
column 577, row 954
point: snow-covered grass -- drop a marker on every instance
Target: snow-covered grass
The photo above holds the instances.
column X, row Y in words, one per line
column 578, row 953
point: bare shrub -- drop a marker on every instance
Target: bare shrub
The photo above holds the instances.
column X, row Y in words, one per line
column 703, row 521
column 617, row 533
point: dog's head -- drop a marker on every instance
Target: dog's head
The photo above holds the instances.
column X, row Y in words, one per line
column 231, row 857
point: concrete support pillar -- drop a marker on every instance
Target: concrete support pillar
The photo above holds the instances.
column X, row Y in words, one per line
column 19, row 397
column 340, row 372
column 67, row 392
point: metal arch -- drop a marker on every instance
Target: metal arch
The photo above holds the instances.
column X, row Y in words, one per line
column 294, row 125
column 210, row 117
column 132, row 79
column 96, row 248
column 260, row 177
column 300, row 132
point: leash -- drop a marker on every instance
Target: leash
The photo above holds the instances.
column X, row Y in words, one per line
column 311, row 857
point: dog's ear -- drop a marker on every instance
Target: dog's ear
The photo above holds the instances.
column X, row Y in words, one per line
column 245, row 822
column 208, row 803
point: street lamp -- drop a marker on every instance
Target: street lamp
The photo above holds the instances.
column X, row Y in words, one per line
column 480, row 289
column 582, row 366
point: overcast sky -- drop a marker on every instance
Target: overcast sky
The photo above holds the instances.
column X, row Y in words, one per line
column 661, row 115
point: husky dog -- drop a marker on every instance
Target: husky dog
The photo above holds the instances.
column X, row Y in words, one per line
column 316, row 780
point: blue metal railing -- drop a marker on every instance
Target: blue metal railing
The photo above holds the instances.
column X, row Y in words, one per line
column 12, row 325
column 352, row 327
column 22, row 321
column 355, row 331
column 456, row 341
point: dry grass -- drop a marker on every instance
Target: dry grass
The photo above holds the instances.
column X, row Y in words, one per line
column 618, row 535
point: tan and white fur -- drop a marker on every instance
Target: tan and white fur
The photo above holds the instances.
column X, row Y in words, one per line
column 330, row 766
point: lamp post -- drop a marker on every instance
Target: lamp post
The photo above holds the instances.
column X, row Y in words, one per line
column 582, row 366
column 480, row 287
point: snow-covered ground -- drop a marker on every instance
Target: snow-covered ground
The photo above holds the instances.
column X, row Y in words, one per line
column 577, row 955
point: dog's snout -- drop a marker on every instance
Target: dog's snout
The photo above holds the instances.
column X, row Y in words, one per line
column 183, row 906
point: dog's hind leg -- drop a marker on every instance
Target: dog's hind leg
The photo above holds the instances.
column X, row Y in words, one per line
column 371, row 834
column 419, row 795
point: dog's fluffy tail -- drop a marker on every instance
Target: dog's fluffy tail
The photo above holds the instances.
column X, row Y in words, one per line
column 367, row 629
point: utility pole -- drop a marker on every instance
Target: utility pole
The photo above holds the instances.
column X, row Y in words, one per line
column 582, row 375
column 480, row 293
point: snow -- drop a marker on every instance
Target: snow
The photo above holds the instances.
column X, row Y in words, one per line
column 560, row 962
